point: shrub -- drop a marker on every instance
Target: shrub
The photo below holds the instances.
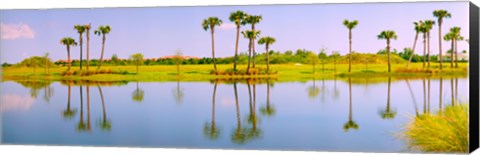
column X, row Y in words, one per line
column 445, row 132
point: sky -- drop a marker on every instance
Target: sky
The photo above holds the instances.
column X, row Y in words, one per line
column 160, row 31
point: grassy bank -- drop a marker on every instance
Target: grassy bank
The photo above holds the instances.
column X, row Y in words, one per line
column 445, row 132
column 285, row 72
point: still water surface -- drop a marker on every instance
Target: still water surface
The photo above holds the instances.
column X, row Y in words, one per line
column 324, row 115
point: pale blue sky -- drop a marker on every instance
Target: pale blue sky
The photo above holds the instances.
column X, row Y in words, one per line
column 160, row 31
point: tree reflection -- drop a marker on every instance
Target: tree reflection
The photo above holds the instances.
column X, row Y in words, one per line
column 269, row 110
column 351, row 124
column 178, row 93
column 388, row 113
column 36, row 86
column 440, row 94
column 81, row 126
column 239, row 136
column 211, row 130
column 48, row 92
column 336, row 92
column 138, row 94
column 105, row 124
column 69, row 113
column 452, row 92
column 253, row 132
column 414, row 101
column 313, row 90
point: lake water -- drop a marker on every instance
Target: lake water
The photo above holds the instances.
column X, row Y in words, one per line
column 320, row 115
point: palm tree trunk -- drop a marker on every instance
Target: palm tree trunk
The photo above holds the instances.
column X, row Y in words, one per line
column 88, row 48
column 68, row 53
column 335, row 64
column 268, row 59
column 213, row 51
column 388, row 51
column 440, row 43
column 456, row 53
column 249, row 55
column 428, row 50
column 81, row 50
column 424, row 49
column 451, row 53
column 103, row 49
column 236, row 49
column 253, row 46
column 350, row 50
column 413, row 49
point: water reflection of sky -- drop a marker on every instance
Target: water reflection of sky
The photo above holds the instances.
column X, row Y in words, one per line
column 301, row 122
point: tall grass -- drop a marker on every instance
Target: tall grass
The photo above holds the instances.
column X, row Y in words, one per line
column 444, row 132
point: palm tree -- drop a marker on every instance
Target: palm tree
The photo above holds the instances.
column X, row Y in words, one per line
column 138, row 94
column 423, row 29
column 350, row 25
column 428, row 26
column 105, row 125
column 87, row 28
column 239, row 18
column 69, row 113
column 253, row 19
column 267, row 40
column 251, row 35
column 456, row 36
column 211, row 130
column 351, row 123
column 102, row 30
column 80, row 30
column 450, row 37
column 68, row 42
column 441, row 14
column 417, row 28
column 388, row 113
column 269, row 110
column 387, row 35
column 207, row 24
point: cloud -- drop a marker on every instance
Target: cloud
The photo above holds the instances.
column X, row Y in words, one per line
column 15, row 102
column 227, row 26
column 16, row 31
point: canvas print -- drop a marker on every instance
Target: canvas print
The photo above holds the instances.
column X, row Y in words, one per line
column 360, row 77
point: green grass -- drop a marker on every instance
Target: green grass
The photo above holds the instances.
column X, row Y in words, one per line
column 284, row 72
column 445, row 132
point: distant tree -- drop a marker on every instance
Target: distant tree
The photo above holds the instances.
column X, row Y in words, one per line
column 114, row 59
column 137, row 58
column 335, row 55
column 312, row 58
column 178, row 58
column 323, row 58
